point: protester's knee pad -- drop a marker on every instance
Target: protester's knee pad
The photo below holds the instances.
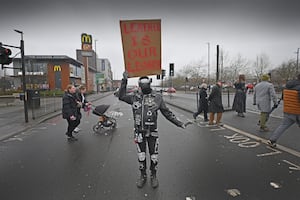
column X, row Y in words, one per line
column 142, row 156
column 154, row 158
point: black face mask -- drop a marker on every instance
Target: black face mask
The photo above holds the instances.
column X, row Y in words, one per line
column 146, row 89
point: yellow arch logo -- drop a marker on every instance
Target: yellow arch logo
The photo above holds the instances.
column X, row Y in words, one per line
column 57, row 68
column 86, row 39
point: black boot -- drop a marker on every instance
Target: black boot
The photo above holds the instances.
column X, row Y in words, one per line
column 154, row 180
column 70, row 137
column 194, row 115
column 141, row 180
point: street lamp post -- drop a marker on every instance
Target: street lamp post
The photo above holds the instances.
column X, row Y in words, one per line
column 23, row 75
column 208, row 63
column 217, row 73
column 297, row 60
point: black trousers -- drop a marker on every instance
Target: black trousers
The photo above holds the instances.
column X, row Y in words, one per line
column 152, row 142
column 72, row 124
column 200, row 111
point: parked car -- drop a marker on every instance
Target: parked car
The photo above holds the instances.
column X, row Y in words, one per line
column 171, row 90
column 132, row 89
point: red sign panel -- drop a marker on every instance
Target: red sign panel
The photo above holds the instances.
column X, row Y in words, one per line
column 141, row 41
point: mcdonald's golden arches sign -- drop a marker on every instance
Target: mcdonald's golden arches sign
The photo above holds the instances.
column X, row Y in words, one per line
column 57, row 68
column 86, row 41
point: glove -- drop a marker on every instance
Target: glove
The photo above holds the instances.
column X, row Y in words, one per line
column 183, row 126
column 125, row 75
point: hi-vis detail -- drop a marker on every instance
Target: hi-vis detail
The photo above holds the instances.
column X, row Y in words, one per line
column 57, row 68
column 86, row 39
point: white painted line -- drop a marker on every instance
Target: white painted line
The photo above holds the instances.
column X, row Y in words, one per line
column 280, row 147
column 273, row 152
column 259, row 139
column 295, row 167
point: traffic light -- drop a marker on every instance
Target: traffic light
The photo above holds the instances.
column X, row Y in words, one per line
column 171, row 69
column 163, row 73
column 4, row 56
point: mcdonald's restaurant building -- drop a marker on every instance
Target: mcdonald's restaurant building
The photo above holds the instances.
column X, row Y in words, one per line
column 49, row 72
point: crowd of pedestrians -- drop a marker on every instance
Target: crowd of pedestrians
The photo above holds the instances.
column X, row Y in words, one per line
column 263, row 96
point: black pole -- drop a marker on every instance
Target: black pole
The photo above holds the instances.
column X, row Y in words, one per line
column 217, row 75
column 162, row 83
column 185, row 85
column 297, row 61
column 23, row 79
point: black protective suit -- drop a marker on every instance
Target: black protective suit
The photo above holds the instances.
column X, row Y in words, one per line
column 145, row 107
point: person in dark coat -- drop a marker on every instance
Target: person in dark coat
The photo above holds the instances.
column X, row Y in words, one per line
column 70, row 111
column 239, row 102
column 203, row 102
column 215, row 104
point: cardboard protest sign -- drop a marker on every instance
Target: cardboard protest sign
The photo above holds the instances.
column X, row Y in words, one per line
column 141, row 41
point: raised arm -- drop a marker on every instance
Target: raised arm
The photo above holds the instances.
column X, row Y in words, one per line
column 122, row 90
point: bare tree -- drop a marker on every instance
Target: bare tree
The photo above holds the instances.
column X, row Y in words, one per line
column 286, row 71
column 238, row 65
column 261, row 65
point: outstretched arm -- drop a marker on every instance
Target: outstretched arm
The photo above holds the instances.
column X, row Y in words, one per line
column 170, row 115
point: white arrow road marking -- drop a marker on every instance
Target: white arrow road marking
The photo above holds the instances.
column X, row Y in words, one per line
column 294, row 166
column 233, row 192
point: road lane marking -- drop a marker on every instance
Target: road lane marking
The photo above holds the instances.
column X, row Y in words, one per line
column 258, row 139
column 273, row 152
column 294, row 166
column 241, row 140
column 262, row 140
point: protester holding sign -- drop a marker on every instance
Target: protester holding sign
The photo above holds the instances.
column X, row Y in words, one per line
column 145, row 105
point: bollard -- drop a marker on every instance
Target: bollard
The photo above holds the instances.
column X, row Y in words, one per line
column 228, row 97
column 197, row 100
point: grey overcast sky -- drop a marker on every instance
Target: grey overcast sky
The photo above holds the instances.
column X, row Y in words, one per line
column 247, row 27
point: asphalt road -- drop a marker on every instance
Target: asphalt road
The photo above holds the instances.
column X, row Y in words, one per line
column 195, row 163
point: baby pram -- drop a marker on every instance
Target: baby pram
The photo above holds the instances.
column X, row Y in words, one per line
column 106, row 121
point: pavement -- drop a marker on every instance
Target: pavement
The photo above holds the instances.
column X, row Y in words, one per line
column 188, row 102
column 15, row 125
column 12, row 117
